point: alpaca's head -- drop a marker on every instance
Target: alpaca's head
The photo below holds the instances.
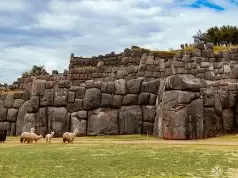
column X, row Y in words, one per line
column 52, row 133
column 33, row 129
column 76, row 131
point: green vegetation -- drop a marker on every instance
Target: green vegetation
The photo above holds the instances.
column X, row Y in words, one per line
column 219, row 35
column 36, row 70
column 117, row 156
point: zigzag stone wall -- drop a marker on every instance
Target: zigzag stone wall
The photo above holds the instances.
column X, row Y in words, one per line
column 191, row 95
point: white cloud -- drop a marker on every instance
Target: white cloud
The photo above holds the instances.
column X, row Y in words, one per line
column 93, row 27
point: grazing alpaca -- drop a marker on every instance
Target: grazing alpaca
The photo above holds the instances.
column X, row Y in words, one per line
column 48, row 137
column 25, row 135
column 32, row 137
column 69, row 137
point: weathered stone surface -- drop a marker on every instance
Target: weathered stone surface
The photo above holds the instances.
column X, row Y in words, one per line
column 130, row 99
column 152, row 100
column 6, row 126
column 12, row 115
column 34, row 104
column 103, row 122
column 78, row 121
column 76, row 106
column 25, row 96
column 106, row 100
column 9, row 100
column 61, row 97
column 228, row 120
column 172, row 99
column 111, row 88
column 148, row 128
column 120, row 87
column 183, row 82
column 224, row 97
column 29, row 122
column 181, row 115
column 148, row 113
column 41, row 124
column 3, row 111
column 144, row 99
column 150, row 87
column 209, row 98
column 130, row 120
column 80, row 92
column 80, row 114
column 38, row 87
column 48, row 98
column 92, row 99
column 20, row 117
column 13, row 129
column 134, row 86
column 71, row 97
column 218, row 106
column 116, row 101
column 58, row 120
column 18, row 103
column 213, row 125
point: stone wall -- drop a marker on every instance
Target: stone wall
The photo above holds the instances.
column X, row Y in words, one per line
column 96, row 108
column 190, row 95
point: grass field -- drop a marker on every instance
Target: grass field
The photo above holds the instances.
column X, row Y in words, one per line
column 120, row 156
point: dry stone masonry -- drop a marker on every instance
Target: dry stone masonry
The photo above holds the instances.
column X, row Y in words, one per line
column 190, row 95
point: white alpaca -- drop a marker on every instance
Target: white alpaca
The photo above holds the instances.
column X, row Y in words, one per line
column 25, row 135
column 32, row 137
column 48, row 137
column 69, row 137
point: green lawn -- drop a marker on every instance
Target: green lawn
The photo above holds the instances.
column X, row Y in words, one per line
column 96, row 157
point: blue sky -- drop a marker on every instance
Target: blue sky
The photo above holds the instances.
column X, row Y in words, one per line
column 46, row 32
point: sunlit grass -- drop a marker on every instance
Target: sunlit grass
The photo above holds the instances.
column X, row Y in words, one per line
column 116, row 156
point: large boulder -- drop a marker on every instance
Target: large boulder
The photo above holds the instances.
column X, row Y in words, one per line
column 134, row 86
column 18, row 103
column 58, row 120
column 228, row 120
column 29, row 122
column 12, row 115
column 120, row 87
column 3, row 111
column 9, row 100
column 20, row 117
column 148, row 128
column 180, row 115
column 103, row 121
column 130, row 120
column 213, row 125
column 76, row 106
column 151, row 86
column 61, row 97
column 92, row 99
column 6, row 126
column 34, row 104
column 130, row 99
column 183, row 82
column 148, row 113
column 48, row 98
column 79, row 121
column 42, row 122
column 38, row 87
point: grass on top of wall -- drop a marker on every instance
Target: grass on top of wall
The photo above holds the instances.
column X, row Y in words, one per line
column 11, row 91
column 171, row 53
